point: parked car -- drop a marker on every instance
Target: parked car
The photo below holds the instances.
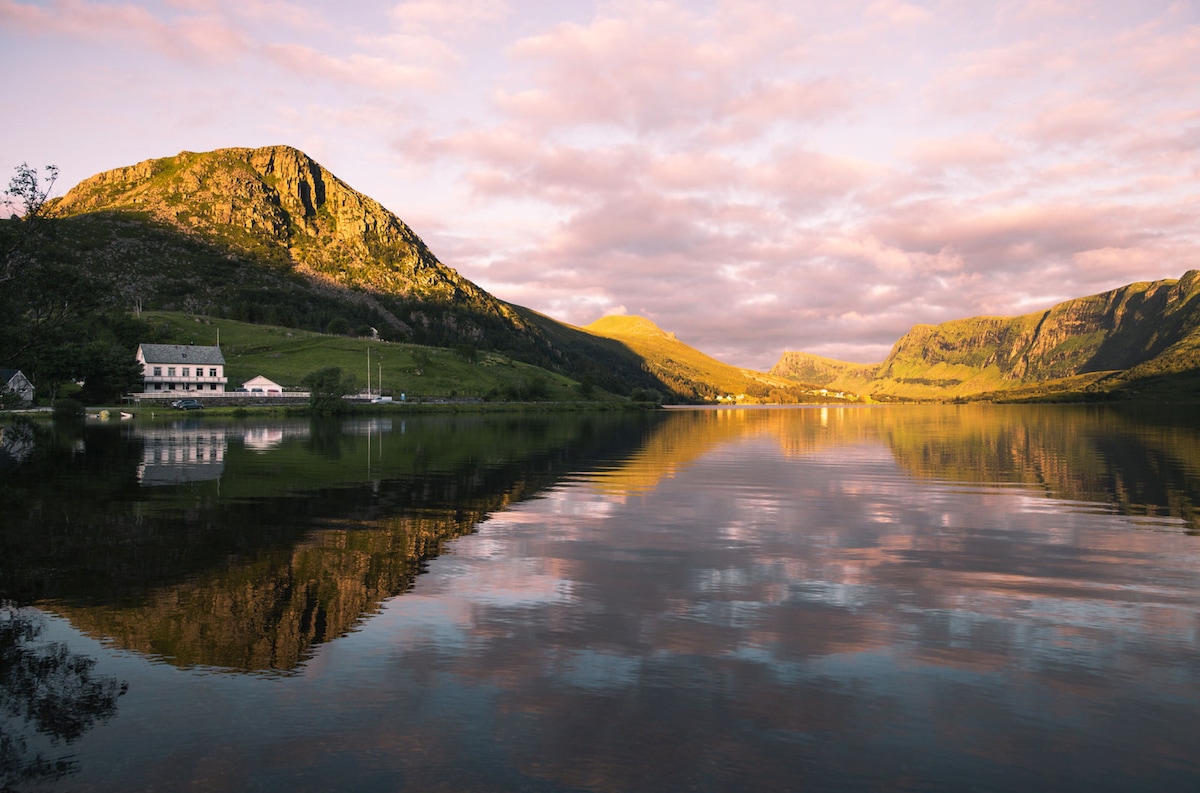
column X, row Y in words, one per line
column 188, row 404
column 381, row 400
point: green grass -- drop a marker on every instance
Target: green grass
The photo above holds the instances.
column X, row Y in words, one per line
column 286, row 355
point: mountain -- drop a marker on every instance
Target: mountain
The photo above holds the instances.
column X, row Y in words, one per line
column 826, row 372
column 1116, row 342
column 269, row 235
column 691, row 373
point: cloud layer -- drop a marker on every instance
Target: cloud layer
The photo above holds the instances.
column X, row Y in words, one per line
column 754, row 176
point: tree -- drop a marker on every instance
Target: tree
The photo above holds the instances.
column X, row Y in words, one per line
column 45, row 292
column 326, row 387
column 60, row 323
column 466, row 352
column 24, row 233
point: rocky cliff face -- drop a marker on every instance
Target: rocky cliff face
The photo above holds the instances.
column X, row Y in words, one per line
column 278, row 206
column 805, row 367
column 1143, row 327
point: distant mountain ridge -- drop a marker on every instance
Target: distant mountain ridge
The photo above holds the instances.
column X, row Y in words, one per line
column 1100, row 342
column 691, row 373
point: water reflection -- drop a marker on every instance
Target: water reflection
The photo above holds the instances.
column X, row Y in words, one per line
column 49, row 697
column 245, row 554
column 179, row 454
column 772, row 608
column 833, row 599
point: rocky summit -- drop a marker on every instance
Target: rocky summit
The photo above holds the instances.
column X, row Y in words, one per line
column 279, row 204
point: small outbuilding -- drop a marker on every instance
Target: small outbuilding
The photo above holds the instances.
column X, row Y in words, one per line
column 262, row 386
column 14, row 381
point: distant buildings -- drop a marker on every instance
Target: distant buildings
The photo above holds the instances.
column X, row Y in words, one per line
column 181, row 367
column 262, row 386
column 13, row 381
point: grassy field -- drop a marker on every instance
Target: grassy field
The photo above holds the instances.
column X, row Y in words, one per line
column 287, row 355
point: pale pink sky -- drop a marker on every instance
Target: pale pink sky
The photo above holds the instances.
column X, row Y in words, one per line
column 754, row 176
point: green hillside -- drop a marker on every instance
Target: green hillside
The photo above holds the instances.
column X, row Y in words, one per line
column 1142, row 339
column 286, row 355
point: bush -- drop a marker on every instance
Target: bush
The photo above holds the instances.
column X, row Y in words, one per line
column 326, row 388
column 70, row 409
column 645, row 395
column 530, row 389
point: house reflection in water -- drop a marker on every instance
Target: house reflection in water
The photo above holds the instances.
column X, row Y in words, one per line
column 262, row 439
column 195, row 452
column 181, row 454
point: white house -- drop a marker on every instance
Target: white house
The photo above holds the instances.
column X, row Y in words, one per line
column 261, row 385
column 13, row 381
column 181, row 367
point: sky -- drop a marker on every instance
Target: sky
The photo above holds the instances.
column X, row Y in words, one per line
column 753, row 176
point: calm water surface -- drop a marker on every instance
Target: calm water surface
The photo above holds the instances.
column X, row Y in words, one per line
column 880, row 599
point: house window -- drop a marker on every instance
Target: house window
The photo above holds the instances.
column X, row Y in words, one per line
column 186, row 371
column 212, row 373
column 170, row 386
column 158, row 371
column 170, row 371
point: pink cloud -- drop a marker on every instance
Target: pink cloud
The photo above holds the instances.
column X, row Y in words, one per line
column 1072, row 122
column 970, row 152
column 448, row 16
column 357, row 68
column 805, row 180
column 662, row 68
column 896, row 13
column 204, row 37
column 795, row 100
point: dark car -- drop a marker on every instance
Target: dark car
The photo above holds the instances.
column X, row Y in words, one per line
column 188, row 404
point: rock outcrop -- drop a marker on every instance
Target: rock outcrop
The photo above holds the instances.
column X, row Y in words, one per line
column 279, row 197
column 1140, row 329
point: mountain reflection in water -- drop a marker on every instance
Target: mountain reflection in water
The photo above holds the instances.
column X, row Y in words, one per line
column 829, row 598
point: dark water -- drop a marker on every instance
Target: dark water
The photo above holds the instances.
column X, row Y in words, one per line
column 881, row 599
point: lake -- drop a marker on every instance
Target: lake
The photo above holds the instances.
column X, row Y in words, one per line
column 880, row 598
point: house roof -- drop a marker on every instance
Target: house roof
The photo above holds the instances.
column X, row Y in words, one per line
column 261, row 382
column 8, row 374
column 181, row 353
